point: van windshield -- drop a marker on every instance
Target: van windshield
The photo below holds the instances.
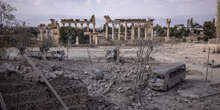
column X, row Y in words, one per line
column 156, row 77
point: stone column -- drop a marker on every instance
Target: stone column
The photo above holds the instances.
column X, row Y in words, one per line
column 69, row 24
column 76, row 25
column 82, row 26
column 87, row 27
column 132, row 32
column 106, row 30
column 145, row 33
column 113, row 31
column 63, row 24
column 77, row 40
column 139, row 32
column 168, row 28
column 41, row 34
column 47, row 33
column 95, row 38
column 152, row 33
column 93, row 28
column 218, row 28
column 126, row 31
column 119, row 31
column 90, row 38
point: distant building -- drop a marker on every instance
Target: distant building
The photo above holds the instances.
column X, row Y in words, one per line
column 50, row 31
column 180, row 26
column 194, row 27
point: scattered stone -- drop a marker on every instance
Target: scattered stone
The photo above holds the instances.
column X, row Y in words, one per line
column 7, row 67
column 215, row 66
column 58, row 73
column 50, row 75
column 99, row 75
column 132, row 98
column 56, row 68
column 112, row 54
column 20, row 94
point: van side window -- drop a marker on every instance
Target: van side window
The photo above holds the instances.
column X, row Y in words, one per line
column 173, row 74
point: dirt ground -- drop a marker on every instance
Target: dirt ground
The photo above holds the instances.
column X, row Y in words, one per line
column 192, row 55
column 117, row 87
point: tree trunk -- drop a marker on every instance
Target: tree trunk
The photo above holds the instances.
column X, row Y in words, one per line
column 44, row 55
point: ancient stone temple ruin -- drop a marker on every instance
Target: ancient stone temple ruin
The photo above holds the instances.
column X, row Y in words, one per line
column 82, row 22
column 138, row 24
column 127, row 29
column 50, row 31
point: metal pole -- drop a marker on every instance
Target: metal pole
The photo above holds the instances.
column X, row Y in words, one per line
column 207, row 68
column 67, row 55
column 68, row 47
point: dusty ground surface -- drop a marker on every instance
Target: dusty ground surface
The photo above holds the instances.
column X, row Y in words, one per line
column 117, row 87
column 189, row 53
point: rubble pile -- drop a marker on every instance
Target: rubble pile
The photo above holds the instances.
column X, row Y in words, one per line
column 20, row 94
column 112, row 54
column 106, row 85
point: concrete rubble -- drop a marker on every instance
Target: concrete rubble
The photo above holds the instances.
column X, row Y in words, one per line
column 110, row 86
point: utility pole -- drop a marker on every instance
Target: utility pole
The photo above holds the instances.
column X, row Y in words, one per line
column 68, row 46
column 207, row 68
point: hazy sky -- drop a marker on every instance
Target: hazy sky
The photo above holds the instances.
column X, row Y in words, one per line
column 30, row 9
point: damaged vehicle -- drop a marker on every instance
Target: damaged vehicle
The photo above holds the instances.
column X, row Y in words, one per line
column 167, row 77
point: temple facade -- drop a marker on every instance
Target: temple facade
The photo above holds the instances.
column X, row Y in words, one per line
column 140, row 29
column 50, row 31
column 136, row 24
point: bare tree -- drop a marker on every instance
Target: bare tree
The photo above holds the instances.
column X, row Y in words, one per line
column 144, row 51
column 23, row 38
column 6, row 16
column 3, row 46
column 45, row 46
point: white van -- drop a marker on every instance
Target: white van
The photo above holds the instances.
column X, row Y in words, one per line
column 167, row 77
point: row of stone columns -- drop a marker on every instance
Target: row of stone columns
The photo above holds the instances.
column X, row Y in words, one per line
column 87, row 28
column 91, row 37
column 126, row 32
